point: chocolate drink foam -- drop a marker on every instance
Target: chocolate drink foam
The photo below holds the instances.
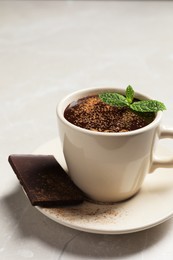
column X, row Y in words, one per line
column 93, row 114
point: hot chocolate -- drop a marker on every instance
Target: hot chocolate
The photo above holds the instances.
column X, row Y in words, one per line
column 93, row 114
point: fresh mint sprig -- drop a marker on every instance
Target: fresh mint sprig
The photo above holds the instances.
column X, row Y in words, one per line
column 116, row 99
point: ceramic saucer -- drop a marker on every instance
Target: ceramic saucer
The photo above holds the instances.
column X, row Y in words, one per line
column 150, row 207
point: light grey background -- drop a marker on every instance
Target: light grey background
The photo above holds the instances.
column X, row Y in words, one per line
column 49, row 49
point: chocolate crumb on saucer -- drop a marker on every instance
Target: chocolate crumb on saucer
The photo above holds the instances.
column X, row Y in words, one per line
column 45, row 181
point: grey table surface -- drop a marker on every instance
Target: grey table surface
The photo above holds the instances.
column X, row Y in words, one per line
column 47, row 50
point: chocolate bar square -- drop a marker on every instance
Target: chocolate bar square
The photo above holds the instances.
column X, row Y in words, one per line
column 45, row 181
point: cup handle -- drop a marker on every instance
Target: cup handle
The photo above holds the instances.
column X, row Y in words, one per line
column 165, row 132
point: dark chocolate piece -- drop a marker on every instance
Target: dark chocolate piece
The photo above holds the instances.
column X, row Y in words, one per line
column 45, row 181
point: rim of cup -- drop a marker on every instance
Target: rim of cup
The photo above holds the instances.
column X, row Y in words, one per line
column 74, row 96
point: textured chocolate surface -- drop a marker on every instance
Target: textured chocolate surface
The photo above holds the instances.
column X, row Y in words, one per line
column 45, row 181
column 93, row 114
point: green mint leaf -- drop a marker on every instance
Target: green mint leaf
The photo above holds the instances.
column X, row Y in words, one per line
column 148, row 106
column 116, row 99
column 113, row 99
column 130, row 94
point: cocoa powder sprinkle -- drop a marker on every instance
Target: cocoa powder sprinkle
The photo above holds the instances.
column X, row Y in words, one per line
column 93, row 114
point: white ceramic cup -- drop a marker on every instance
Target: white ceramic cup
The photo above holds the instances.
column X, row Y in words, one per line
column 110, row 167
